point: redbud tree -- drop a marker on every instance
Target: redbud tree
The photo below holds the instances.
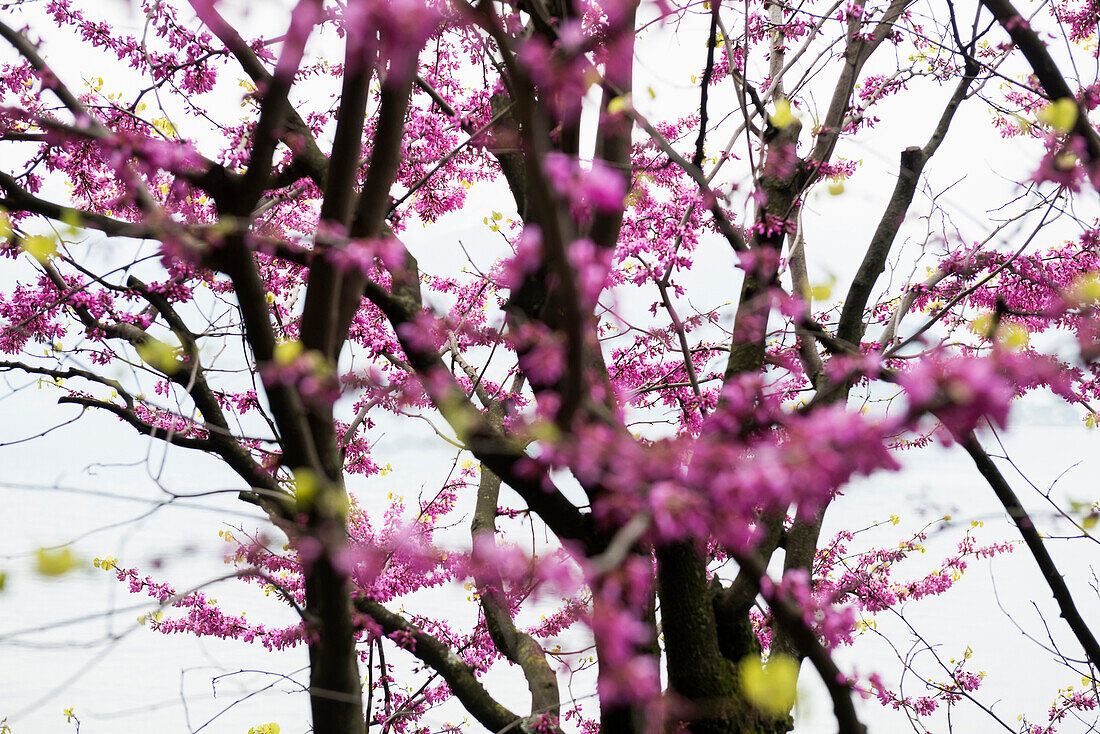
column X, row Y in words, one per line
column 242, row 245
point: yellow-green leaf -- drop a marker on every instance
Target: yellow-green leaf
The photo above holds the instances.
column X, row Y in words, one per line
column 158, row 355
column 782, row 115
column 772, row 687
column 1086, row 289
column 836, row 188
column 1061, row 114
column 982, row 324
column 306, row 487
column 1065, row 161
column 1012, row 335
column 544, row 431
column 40, row 247
column 619, row 104
column 1005, row 333
column 166, row 126
column 71, row 218
column 55, row 562
column 821, row 291
column 287, row 352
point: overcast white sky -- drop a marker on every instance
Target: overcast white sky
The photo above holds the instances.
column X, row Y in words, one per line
column 144, row 679
column 93, row 483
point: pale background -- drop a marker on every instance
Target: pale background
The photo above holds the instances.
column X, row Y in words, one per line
column 75, row 642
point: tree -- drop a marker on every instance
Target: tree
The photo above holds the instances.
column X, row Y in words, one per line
column 676, row 444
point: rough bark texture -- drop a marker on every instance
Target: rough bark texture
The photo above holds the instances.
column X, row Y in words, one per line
column 336, row 699
column 704, row 681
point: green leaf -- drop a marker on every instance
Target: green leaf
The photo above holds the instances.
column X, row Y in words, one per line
column 1085, row 289
column 306, row 487
column 54, row 562
column 1061, row 114
column 822, row 291
column 40, row 247
column 782, row 115
column 772, row 687
column 1013, row 335
column 71, row 218
column 619, row 104
column 287, row 352
column 159, row 355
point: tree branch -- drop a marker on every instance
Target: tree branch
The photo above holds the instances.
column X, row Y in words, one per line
column 71, row 373
column 519, row 647
column 1034, row 541
column 307, row 154
column 19, row 199
column 790, row 615
column 147, row 429
column 505, row 457
column 459, row 676
column 1046, row 71
column 913, row 160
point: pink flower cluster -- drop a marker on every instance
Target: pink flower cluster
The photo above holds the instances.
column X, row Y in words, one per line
column 598, row 188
